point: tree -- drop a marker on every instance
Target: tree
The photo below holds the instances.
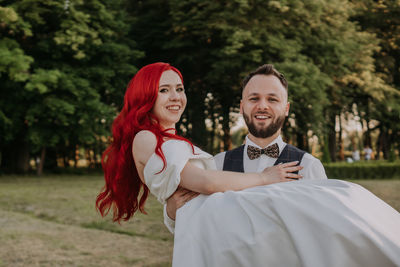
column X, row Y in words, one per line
column 82, row 63
column 382, row 18
column 14, row 66
column 215, row 43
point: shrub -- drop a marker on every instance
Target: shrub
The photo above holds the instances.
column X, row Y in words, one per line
column 363, row 170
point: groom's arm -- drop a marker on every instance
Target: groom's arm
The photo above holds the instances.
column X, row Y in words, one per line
column 313, row 168
column 181, row 196
column 174, row 202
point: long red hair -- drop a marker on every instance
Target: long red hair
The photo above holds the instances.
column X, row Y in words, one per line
column 122, row 183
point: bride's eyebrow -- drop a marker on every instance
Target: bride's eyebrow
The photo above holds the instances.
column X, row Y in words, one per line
column 169, row 85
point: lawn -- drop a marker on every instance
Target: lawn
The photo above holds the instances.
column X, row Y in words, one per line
column 51, row 221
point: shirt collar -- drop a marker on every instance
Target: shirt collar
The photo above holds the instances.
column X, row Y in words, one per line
column 277, row 140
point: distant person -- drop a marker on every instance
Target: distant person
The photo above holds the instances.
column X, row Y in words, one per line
column 367, row 153
column 276, row 221
column 356, row 155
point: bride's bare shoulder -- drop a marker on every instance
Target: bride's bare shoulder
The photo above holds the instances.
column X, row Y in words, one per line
column 145, row 136
column 143, row 146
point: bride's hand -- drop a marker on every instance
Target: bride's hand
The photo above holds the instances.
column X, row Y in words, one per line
column 281, row 173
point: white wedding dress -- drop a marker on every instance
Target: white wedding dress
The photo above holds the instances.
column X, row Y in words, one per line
column 315, row 223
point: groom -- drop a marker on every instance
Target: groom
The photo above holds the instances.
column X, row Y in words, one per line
column 264, row 107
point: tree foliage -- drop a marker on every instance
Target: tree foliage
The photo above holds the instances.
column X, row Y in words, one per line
column 63, row 75
column 64, row 66
column 382, row 18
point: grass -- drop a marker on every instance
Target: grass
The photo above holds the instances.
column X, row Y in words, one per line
column 51, row 221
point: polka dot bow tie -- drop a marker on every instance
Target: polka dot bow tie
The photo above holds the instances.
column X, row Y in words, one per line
column 271, row 151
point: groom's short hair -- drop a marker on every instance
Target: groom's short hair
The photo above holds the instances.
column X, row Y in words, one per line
column 266, row 69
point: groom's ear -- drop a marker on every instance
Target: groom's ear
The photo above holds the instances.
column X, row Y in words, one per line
column 241, row 106
column 287, row 109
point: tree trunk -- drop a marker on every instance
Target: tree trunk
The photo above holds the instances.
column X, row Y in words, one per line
column 15, row 157
column 306, row 143
column 378, row 146
column 76, row 158
column 341, row 146
column 65, row 161
column 300, row 140
column 197, row 117
column 211, row 147
column 50, row 162
column 39, row 169
column 332, row 137
column 23, row 158
column 385, row 144
column 368, row 139
column 95, row 153
column 226, row 129
column 326, row 157
column 396, row 67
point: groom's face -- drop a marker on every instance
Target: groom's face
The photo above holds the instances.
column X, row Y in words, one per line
column 264, row 105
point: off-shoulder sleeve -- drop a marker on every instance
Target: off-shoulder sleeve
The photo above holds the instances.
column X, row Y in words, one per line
column 164, row 184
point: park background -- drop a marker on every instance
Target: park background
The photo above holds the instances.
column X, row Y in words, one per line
column 64, row 67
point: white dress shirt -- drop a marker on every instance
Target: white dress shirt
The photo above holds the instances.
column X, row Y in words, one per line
column 313, row 168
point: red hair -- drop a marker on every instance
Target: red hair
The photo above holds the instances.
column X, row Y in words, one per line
column 122, row 183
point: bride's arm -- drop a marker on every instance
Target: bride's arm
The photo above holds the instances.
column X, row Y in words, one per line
column 211, row 181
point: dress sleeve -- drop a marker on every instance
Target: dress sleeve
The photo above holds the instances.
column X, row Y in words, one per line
column 219, row 160
column 164, row 184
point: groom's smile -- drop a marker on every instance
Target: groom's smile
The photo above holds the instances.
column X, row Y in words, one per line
column 262, row 116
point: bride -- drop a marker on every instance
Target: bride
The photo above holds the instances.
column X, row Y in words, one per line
column 240, row 219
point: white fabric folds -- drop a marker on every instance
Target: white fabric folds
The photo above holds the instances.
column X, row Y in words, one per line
column 310, row 223
column 307, row 223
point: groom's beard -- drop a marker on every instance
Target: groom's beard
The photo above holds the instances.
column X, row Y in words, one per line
column 264, row 131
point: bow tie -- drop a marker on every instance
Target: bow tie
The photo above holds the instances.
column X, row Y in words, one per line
column 271, row 151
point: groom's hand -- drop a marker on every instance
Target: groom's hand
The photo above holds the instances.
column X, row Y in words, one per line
column 178, row 199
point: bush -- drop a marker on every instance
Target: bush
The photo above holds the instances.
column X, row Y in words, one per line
column 392, row 155
column 363, row 170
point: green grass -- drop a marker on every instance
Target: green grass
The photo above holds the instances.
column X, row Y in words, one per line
column 52, row 221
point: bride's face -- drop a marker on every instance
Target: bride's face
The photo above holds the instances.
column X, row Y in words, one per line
column 171, row 99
